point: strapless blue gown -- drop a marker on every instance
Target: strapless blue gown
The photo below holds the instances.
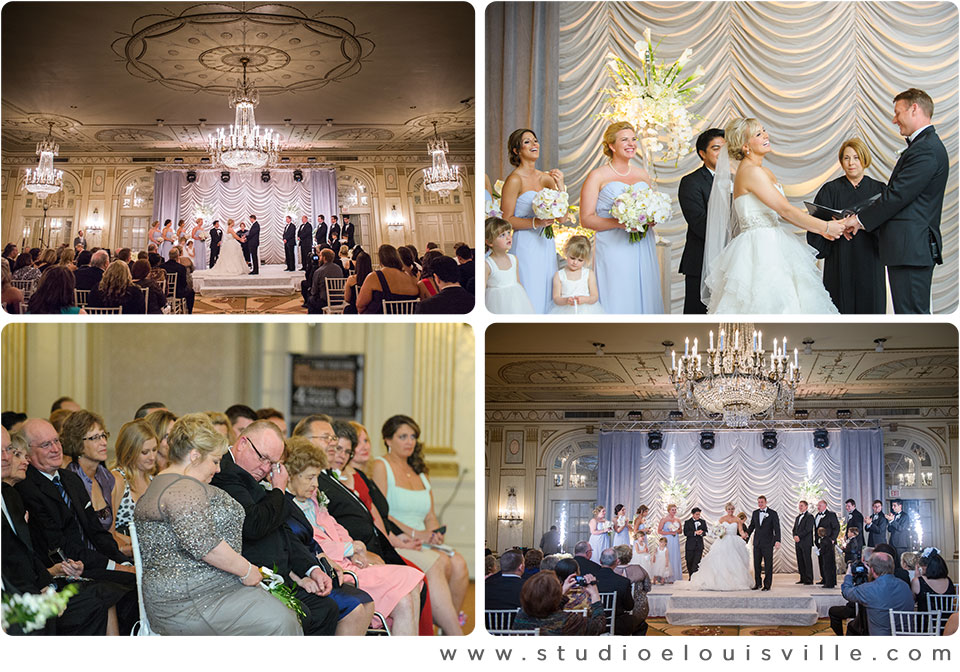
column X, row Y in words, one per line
column 628, row 274
column 536, row 258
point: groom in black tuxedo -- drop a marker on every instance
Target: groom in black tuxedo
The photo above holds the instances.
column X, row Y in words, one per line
column 766, row 524
column 694, row 530
column 216, row 237
column 907, row 215
column 694, row 194
column 803, row 543
column 253, row 244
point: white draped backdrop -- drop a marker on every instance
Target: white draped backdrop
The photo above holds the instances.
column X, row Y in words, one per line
column 738, row 469
column 815, row 73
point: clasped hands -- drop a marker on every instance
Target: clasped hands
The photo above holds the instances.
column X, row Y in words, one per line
column 848, row 228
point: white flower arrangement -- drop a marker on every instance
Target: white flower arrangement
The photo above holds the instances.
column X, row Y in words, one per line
column 550, row 204
column 31, row 610
column 638, row 207
column 719, row 531
column 673, row 493
column 203, row 210
column 492, row 206
column 810, row 491
column 655, row 98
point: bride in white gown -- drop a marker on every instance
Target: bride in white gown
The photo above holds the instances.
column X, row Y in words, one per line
column 230, row 262
column 727, row 565
column 750, row 264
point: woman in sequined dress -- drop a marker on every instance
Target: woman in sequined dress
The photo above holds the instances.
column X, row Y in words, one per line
column 195, row 582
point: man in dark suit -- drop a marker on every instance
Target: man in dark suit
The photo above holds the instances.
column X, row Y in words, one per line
column 765, row 523
column 898, row 525
column 89, row 276
column 304, row 234
column 253, row 244
column 877, row 526
column 173, row 265
column 267, row 540
column 827, row 528
column 694, row 530
column 216, row 238
column 502, row 590
column 694, row 194
column 550, row 541
column 321, row 232
column 318, row 285
column 467, row 267
column 80, row 242
column 333, row 237
column 347, row 232
column 854, row 519
column 907, row 215
column 803, row 543
column 582, row 553
column 609, row 581
column 452, row 298
column 290, row 244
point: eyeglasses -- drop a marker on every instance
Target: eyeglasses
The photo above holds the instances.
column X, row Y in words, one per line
column 325, row 438
column 260, row 455
column 46, row 445
column 97, row 437
column 340, row 450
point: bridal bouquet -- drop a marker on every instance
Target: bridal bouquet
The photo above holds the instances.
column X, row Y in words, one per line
column 719, row 531
column 638, row 208
column 550, row 204
column 273, row 583
column 31, row 610
column 202, row 236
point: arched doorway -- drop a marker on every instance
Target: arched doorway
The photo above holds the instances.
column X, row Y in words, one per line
column 570, row 491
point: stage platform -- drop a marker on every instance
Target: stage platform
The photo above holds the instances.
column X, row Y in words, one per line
column 785, row 604
column 273, row 280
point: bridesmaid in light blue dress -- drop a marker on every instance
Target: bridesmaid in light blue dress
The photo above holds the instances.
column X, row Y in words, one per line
column 669, row 528
column 536, row 255
column 599, row 533
column 199, row 248
column 621, row 526
column 167, row 239
column 628, row 274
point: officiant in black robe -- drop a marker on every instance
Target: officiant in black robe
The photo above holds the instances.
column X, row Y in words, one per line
column 852, row 271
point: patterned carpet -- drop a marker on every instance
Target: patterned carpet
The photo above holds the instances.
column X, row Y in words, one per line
column 256, row 305
column 660, row 627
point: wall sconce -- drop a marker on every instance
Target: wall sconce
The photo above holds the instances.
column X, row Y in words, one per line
column 394, row 218
column 95, row 224
column 511, row 512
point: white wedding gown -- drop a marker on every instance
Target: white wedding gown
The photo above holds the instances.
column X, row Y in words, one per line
column 726, row 566
column 230, row 262
column 764, row 269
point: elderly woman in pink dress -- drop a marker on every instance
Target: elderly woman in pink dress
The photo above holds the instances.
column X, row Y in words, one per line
column 395, row 589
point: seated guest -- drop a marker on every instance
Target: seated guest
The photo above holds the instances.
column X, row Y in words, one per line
column 395, row 590
column 909, row 562
column 502, row 590
column 13, row 420
column 89, row 276
column 148, row 408
column 220, row 422
column 161, row 421
column 274, row 416
column 351, row 288
column 582, row 553
column 390, row 283
column 25, row 572
column 54, row 294
column 452, row 298
column 24, row 268
column 10, row 296
column 134, row 462
column 67, row 257
column 466, row 267
column 639, row 581
column 428, row 286
column 267, row 540
column 882, row 593
column 124, row 254
column 490, row 567
column 932, row 579
column 183, row 290
column 156, row 299
column 195, row 580
column 157, row 272
column 116, row 288
column 344, row 260
column 543, row 603
column 318, row 285
column 609, row 581
column 85, row 440
column 47, row 259
column 409, row 262
column 577, row 596
column 531, row 561
column 898, row 571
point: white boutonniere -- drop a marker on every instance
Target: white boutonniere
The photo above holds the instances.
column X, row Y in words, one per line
column 322, row 499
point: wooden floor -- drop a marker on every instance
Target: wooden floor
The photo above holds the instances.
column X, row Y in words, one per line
column 659, row 628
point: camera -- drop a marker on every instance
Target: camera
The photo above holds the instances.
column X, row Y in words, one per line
column 859, row 572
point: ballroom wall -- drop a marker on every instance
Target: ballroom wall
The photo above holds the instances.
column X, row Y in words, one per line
column 523, row 447
column 378, row 182
column 422, row 370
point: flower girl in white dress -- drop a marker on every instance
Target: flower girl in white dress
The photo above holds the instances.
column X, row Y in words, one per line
column 575, row 287
column 641, row 555
column 662, row 573
column 504, row 294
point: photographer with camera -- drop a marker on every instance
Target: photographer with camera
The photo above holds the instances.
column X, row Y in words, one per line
column 543, row 600
column 841, row 614
column 881, row 592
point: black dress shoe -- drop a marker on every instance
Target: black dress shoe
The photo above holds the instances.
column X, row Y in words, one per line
column 799, row 583
column 755, row 588
column 819, row 583
column 765, row 588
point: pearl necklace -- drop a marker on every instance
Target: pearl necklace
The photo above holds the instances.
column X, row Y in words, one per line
column 610, row 163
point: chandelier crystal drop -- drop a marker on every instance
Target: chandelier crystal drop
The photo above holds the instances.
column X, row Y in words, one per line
column 45, row 179
column 244, row 147
column 440, row 177
column 737, row 380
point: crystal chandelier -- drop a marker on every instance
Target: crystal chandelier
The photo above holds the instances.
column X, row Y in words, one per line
column 440, row 177
column 45, row 179
column 244, row 147
column 738, row 380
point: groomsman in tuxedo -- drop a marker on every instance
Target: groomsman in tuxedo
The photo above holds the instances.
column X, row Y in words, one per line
column 854, row 519
column 766, row 524
column 693, row 194
column 828, row 527
column 898, row 525
column 694, row 530
column 321, row 233
column 347, row 232
column 907, row 215
column 290, row 244
column 304, row 233
column 803, row 543
column 334, row 236
column 253, row 244
column 877, row 527
column 216, row 237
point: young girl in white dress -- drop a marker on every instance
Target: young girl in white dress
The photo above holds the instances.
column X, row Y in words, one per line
column 575, row 287
column 641, row 555
column 661, row 571
column 504, row 292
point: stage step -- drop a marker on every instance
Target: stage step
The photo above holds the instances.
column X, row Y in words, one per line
column 740, row 609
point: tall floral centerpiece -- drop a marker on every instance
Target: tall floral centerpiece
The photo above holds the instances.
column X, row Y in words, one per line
column 674, row 492
column 655, row 97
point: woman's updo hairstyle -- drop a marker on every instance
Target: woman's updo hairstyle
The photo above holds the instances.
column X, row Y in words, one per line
column 515, row 142
column 610, row 136
column 737, row 133
column 194, row 431
column 389, row 430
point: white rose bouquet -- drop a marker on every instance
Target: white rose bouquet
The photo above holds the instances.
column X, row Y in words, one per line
column 31, row 610
column 638, row 208
column 550, row 204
